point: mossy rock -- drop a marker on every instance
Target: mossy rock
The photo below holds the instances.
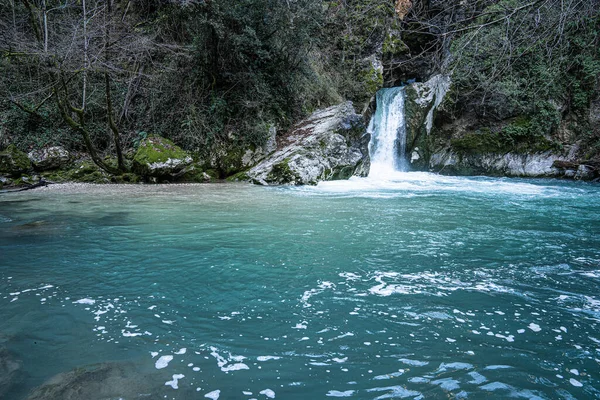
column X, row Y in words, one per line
column 281, row 173
column 239, row 177
column 196, row 174
column 14, row 162
column 161, row 158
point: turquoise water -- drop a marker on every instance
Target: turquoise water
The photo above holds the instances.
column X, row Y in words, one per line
column 421, row 286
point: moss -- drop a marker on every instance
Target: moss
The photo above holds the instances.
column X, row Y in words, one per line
column 239, row 177
column 231, row 162
column 157, row 149
column 372, row 80
column 478, row 143
column 13, row 161
column 282, row 173
column 341, row 173
column 394, row 46
column 514, row 137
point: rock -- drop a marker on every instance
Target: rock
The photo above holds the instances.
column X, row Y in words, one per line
column 100, row 381
column 10, row 369
column 584, row 173
column 330, row 144
column 422, row 100
column 509, row 164
column 160, row 158
column 13, row 161
column 49, row 158
column 370, row 77
column 429, row 95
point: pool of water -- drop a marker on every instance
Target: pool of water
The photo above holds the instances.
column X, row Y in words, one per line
column 419, row 286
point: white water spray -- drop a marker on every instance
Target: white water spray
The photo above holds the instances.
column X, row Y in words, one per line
column 387, row 147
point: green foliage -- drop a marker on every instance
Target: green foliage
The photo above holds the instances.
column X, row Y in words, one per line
column 520, row 61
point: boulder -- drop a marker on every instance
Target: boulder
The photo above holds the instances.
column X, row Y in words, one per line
column 160, row 158
column 330, row 144
column 49, row 158
column 14, row 162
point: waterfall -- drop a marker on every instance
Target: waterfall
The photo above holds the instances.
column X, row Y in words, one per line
column 387, row 148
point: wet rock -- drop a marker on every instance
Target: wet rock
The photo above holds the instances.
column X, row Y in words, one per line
column 10, row 372
column 509, row 164
column 331, row 144
column 14, row 162
column 159, row 158
column 585, row 173
column 49, row 158
column 96, row 382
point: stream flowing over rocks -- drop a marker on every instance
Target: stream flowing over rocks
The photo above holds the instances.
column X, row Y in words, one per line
column 331, row 144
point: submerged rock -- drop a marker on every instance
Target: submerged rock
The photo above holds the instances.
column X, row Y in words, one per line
column 14, row 162
column 95, row 382
column 331, row 144
column 49, row 158
column 159, row 158
column 10, row 369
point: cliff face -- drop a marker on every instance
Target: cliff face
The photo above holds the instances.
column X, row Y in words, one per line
column 467, row 144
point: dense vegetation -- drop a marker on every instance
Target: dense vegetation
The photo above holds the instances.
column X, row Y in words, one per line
column 99, row 75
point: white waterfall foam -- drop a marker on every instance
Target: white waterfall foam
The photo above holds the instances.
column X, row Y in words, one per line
column 387, row 148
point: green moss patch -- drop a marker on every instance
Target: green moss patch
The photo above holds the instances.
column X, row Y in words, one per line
column 157, row 149
column 13, row 161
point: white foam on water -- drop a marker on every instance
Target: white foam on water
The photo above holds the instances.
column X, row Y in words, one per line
column 268, row 392
column 85, row 301
column 222, row 361
column 234, row 367
column 534, row 327
column 395, row 392
column 490, row 387
column 575, row 382
column 154, row 353
column 453, row 366
column 267, row 358
column 494, row 367
column 391, row 184
column 163, row 361
column 130, row 334
column 414, row 363
column 337, row 393
column 214, row 395
column 389, row 376
column 181, row 351
column 174, row 382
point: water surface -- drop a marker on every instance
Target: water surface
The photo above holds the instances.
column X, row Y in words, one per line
column 418, row 286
